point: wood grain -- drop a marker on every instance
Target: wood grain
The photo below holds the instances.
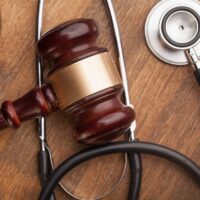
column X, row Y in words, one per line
column 167, row 101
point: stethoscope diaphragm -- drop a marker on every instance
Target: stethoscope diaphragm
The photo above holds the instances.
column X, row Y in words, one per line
column 180, row 28
column 172, row 27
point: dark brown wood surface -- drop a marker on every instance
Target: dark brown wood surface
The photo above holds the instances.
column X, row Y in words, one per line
column 167, row 101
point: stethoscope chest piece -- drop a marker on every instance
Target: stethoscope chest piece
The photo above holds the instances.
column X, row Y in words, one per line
column 172, row 28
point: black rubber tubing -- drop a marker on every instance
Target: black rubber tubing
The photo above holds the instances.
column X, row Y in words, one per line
column 119, row 147
column 44, row 169
column 135, row 163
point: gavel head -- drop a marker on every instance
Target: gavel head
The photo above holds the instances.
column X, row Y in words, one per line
column 86, row 81
column 82, row 81
column 69, row 42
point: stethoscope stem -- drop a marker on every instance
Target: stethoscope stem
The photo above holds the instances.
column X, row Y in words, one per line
column 195, row 61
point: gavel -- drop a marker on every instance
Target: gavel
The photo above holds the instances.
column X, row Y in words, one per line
column 82, row 81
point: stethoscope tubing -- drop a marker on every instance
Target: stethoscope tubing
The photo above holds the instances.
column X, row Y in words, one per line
column 135, row 163
column 119, row 147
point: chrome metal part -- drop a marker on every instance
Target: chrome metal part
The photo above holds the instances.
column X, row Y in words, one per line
column 162, row 49
column 122, row 64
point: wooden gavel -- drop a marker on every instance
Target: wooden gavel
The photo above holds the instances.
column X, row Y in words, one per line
column 82, row 81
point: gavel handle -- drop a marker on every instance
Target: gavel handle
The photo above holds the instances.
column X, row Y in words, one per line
column 36, row 103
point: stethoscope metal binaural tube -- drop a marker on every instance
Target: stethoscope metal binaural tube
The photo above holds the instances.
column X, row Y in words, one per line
column 46, row 164
column 44, row 168
column 39, row 73
column 39, row 70
column 122, row 65
column 135, row 160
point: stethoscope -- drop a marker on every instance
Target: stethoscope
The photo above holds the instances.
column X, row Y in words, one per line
column 45, row 160
column 167, row 44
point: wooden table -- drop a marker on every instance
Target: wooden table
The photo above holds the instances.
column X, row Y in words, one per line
column 166, row 99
